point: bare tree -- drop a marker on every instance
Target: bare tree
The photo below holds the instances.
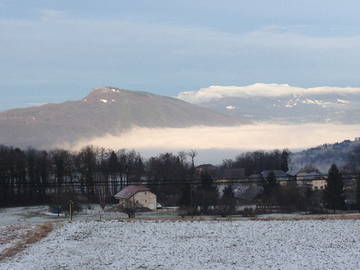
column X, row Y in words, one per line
column 129, row 208
column 227, row 163
column 182, row 156
column 192, row 154
column 101, row 193
column 101, row 190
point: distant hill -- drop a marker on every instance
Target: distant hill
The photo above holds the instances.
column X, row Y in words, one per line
column 323, row 156
column 106, row 110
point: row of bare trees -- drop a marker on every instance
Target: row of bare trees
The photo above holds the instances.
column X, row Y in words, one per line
column 32, row 176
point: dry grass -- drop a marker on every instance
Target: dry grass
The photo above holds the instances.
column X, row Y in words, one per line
column 321, row 217
column 186, row 219
column 40, row 232
column 13, row 232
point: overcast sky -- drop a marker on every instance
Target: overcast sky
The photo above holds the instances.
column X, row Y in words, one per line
column 52, row 51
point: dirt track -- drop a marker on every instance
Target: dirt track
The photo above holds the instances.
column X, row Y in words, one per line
column 31, row 237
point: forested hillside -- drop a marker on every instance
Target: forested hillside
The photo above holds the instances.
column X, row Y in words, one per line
column 345, row 154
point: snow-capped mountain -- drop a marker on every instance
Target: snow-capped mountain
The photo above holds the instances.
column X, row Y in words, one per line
column 106, row 110
column 281, row 102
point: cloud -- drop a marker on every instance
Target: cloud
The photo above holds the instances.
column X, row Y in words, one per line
column 260, row 89
column 248, row 137
column 72, row 51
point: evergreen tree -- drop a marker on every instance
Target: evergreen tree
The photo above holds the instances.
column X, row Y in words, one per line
column 207, row 193
column 358, row 192
column 333, row 193
column 271, row 188
column 228, row 201
column 285, row 160
column 185, row 199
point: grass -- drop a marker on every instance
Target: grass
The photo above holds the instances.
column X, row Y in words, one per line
column 311, row 217
column 199, row 218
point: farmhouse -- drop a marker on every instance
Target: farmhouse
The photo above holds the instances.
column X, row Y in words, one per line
column 311, row 178
column 138, row 195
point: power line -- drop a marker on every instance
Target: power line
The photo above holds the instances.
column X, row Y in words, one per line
column 218, row 181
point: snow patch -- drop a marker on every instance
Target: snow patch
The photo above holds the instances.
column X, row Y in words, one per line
column 216, row 92
column 103, row 100
column 321, row 103
column 343, row 101
column 230, row 107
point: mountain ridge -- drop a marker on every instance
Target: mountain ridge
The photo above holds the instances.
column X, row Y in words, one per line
column 105, row 110
column 281, row 103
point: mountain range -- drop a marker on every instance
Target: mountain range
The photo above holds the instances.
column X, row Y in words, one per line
column 106, row 110
column 281, row 103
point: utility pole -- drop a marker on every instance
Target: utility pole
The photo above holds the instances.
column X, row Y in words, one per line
column 71, row 210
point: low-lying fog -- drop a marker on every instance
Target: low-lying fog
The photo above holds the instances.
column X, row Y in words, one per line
column 217, row 143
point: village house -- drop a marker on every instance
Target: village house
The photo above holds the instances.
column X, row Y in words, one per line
column 229, row 177
column 206, row 168
column 137, row 195
column 311, row 178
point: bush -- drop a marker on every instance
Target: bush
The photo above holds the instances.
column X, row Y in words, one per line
column 61, row 203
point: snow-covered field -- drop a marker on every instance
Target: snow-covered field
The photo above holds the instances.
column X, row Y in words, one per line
column 330, row 244
column 11, row 234
column 24, row 215
column 40, row 214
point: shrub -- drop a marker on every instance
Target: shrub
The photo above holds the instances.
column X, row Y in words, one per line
column 61, row 203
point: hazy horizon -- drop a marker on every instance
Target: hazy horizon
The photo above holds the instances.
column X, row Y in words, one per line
column 217, row 143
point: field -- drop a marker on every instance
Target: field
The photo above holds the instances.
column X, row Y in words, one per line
column 307, row 244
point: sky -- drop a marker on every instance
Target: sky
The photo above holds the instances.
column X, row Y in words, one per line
column 52, row 51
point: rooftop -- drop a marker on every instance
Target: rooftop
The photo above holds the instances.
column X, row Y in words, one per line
column 130, row 191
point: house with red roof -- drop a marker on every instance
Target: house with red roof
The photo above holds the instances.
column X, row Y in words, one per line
column 137, row 195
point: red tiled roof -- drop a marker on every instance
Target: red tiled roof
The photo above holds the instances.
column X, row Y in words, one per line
column 129, row 191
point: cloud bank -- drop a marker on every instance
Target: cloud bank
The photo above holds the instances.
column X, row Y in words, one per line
column 247, row 137
column 261, row 90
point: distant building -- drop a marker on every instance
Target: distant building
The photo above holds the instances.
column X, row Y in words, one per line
column 229, row 177
column 206, row 168
column 311, row 179
column 138, row 195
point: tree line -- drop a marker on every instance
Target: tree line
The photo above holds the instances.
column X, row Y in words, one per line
column 32, row 176
column 93, row 174
column 257, row 161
